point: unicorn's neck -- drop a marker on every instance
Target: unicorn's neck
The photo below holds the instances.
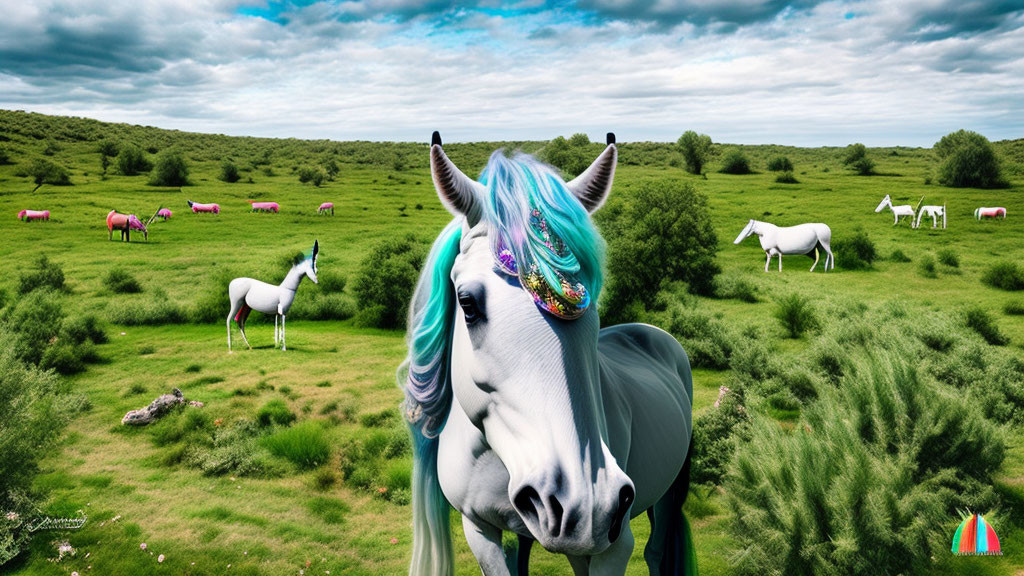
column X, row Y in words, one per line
column 761, row 227
column 294, row 277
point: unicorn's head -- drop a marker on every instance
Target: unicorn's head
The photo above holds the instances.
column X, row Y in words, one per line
column 21, row 215
column 135, row 224
column 747, row 231
column 885, row 202
column 519, row 353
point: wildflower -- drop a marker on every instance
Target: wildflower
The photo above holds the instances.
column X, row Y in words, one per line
column 394, row 540
column 12, row 516
column 142, row 546
column 160, row 558
column 382, row 490
column 74, row 574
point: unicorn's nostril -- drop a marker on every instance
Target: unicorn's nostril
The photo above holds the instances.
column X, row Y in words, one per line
column 626, row 496
column 526, row 502
column 554, row 516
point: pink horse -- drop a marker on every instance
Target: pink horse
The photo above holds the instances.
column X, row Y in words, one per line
column 27, row 215
column 125, row 223
column 264, row 206
column 990, row 213
column 325, row 208
column 163, row 213
column 197, row 207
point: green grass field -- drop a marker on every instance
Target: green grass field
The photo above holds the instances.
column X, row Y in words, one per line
column 342, row 375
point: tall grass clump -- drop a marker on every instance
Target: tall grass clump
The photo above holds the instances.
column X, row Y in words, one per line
column 275, row 412
column 385, row 281
column 926, row 267
column 736, row 287
column 211, row 304
column 855, row 251
column 1015, row 308
column 153, row 310
column 981, row 322
column 735, row 162
column 780, row 164
column 897, row 255
column 796, row 315
column 380, row 463
column 866, row 482
column 44, row 274
column 120, row 281
column 948, row 257
column 1005, row 276
column 707, row 340
column 716, row 433
column 786, row 178
column 304, row 444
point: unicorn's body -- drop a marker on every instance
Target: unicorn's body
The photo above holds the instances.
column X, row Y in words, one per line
column 801, row 239
column 326, row 208
column 29, row 215
column 125, row 223
column 995, row 212
column 526, row 416
column 210, row 208
column 164, row 213
column 265, row 206
column 935, row 212
column 248, row 294
column 897, row 211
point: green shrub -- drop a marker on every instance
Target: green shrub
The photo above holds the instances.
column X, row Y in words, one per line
column 324, row 479
column 663, row 234
column 154, row 310
column 330, row 282
column 796, row 315
column 735, row 162
column 379, row 419
column 780, row 164
column 42, row 171
column 897, row 255
column 857, row 159
column 318, row 306
column 385, row 282
column 43, row 274
column 1015, row 308
column 707, row 340
column 5, row 158
column 571, row 156
column 967, row 159
column 171, row 169
column 981, row 322
column 310, row 175
column 926, row 267
column 715, row 433
column 696, row 149
column 83, row 328
column 120, row 281
column 1005, row 276
column 330, row 510
column 36, row 321
column 211, row 305
column 275, row 412
column 948, row 257
column 132, row 160
column 304, row 444
column 786, row 178
column 736, row 287
column 856, row 251
column 233, row 449
column 229, row 172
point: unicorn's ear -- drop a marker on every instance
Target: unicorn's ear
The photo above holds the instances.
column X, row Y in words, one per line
column 593, row 185
column 316, row 249
column 459, row 193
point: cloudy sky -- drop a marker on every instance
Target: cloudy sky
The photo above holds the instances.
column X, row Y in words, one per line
column 747, row 71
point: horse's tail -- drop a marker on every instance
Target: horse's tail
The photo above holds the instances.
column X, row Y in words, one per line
column 680, row 554
column 110, row 219
column 432, row 553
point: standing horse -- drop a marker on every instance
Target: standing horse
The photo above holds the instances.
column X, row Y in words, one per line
column 264, row 206
column 197, row 207
column 897, row 211
column 30, row 215
column 934, row 212
column 164, row 214
column 526, row 416
column 326, row 207
column 985, row 212
column 125, row 223
column 247, row 294
column 801, row 239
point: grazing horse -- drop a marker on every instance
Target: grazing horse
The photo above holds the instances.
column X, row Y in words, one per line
column 526, row 416
column 325, row 208
column 994, row 212
column 164, row 214
column 197, row 207
column 264, row 206
column 29, row 215
column 125, row 223
column 897, row 211
column 247, row 294
column 801, row 239
column 934, row 212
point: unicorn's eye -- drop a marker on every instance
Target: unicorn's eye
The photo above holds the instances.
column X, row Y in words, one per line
column 471, row 308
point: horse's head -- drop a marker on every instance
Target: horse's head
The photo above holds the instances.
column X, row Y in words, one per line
column 747, row 231
column 21, row 215
column 885, row 202
column 524, row 364
column 135, row 224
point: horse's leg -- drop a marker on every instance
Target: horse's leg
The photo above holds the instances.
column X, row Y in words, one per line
column 283, row 345
column 275, row 330
column 780, row 261
column 816, row 255
column 485, row 543
column 234, row 310
column 658, row 515
column 830, row 258
column 523, row 551
column 614, row 560
column 768, row 261
column 580, row 565
column 243, row 316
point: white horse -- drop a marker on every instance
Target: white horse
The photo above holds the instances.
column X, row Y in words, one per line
column 897, row 211
column 247, row 294
column 935, row 212
column 801, row 239
column 526, row 416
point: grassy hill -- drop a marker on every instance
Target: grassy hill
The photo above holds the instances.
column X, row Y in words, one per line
column 350, row 515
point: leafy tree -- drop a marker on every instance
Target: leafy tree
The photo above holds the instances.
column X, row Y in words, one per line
column 857, row 159
column 311, row 175
column 331, row 168
column 696, row 149
column 663, row 234
column 780, row 164
column 42, row 171
column 171, row 170
column 385, row 281
column 131, row 160
column 967, row 159
column 108, row 148
column 735, row 162
column 229, row 172
column 571, row 156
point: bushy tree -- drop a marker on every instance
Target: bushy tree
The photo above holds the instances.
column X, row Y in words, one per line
column 42, row 171
column 967, row 159
column 735, row 162
column 311, row 175
column 171, row 170
column 571, row 156
column 385, row 281
column 857, row 159
column 662, row 234
column 44, row 274
column 229, row 172
column 696, row 149
column 780, row 164
column 131, row 160
column 855, row 251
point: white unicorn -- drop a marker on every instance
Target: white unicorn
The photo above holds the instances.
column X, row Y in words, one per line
column 897, row 211
column 526, row 416
column 248, row 294
column 935, row 212
column 800, row 239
